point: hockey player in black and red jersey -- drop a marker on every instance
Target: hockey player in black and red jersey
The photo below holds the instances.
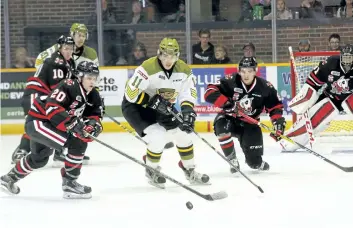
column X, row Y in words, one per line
column 326, row 92
column 249, row 94
column 62, row 119
column 56, row 68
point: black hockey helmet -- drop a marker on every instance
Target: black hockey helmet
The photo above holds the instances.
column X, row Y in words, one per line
column 248, row 62
column 347, row 56
column 87, row 68
column 65, row 40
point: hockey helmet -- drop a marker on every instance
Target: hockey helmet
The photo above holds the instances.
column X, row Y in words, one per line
column 77, row 27
column 65, row 40
column 347, row 56
column 248, row 62
column 87, row 68
column 169, row 46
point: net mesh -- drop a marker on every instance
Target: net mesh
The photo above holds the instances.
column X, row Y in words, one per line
column 304, row 63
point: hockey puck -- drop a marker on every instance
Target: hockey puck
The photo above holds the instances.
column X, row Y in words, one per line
column 189, row 205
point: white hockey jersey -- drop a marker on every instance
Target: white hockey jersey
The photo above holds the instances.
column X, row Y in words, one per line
column 149, row 79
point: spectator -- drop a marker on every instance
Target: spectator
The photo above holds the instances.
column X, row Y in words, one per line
column 181, row 13
column 247, row 12
column 109, row 15
column 136, row 16
column 311, row 9
column 250, row 51
column 138, row 55
column 203, row 51
column 304, row 45
column 341, row 12
column 334, row 42
column 282, row 12
column 167, row 9
column 22, row 60
column 220, row 55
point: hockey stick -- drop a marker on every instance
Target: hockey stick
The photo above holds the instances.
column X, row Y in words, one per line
column 253, row 121
column 210, row 197
column 125, row 128
column 308, row 125
column 215, row 150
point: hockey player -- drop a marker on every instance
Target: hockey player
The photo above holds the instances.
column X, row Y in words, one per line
column 63, row 118
column 244, row 92
column 54, row 69
column 336, row 73
column 79, row 33
column 149, row 95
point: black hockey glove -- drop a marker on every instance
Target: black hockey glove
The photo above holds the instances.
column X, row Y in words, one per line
column 232, row 108
column 76, row 127
column 160, row 104
column 188, row 121
column 279, row 126
column 93, row 127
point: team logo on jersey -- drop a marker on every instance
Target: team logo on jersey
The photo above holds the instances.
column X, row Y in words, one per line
column 340, row 86
column 236, row 96
column 59, row 60
column 246, row 105
column 161, row 77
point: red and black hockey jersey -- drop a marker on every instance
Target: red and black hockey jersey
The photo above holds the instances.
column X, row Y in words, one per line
column 66, row 101
column 252, row 99
column 48, row 75
column 331, row 74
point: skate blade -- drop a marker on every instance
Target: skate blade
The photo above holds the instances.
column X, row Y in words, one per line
column 157, row 185
column 71, row 195
column 7, row 191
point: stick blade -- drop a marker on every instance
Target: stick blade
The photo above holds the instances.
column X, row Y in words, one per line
column 348, row 169
column 216, row 196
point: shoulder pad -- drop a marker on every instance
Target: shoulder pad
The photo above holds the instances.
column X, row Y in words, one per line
column 89, row 53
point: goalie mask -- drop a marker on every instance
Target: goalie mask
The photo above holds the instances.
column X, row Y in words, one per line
column 347, row 57
column 88, row 75
column 168, row 52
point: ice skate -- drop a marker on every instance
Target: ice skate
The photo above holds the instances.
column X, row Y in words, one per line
column 18, row 154
column 8, row 184
column 194, row 177
column 264, row 166
column 234, row 161
column 154, row 178
column 73, row 190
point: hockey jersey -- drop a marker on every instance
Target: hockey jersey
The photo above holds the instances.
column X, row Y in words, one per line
column 332, row 78
column 49, row 74
column 252, row 99
column 67, row 101
column 149, row 79
column 84, row 53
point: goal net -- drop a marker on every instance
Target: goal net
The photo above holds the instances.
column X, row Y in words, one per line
column 304, row 63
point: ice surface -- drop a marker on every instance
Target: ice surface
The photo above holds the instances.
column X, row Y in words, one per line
column 300, row 191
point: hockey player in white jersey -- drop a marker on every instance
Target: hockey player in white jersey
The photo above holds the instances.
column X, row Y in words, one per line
column 153, row 89
column 337, row 74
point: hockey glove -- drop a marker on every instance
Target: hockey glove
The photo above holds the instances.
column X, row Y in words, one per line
column 279, row 126
column 77, row 127
column 188, row 122
column 93, row 127
column 160, row 104
column 232, row 108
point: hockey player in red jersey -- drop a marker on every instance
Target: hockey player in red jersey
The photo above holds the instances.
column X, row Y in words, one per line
column 323, row 103
column 244, row 92
column 62, row 119
column 56, row 68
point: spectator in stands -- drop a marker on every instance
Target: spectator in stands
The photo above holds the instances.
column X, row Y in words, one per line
column 167, row 10
column 250, row 51
column 138, row 55
column 311, row 9
column 203, row 52
column 282, row 12
column 220, row 55
column 334, row 42
column 247, row 11
column 341, row 12
column 22, row 60
column 136, row 16
column 304, row 45
column 109, row 14
column 181, row 13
